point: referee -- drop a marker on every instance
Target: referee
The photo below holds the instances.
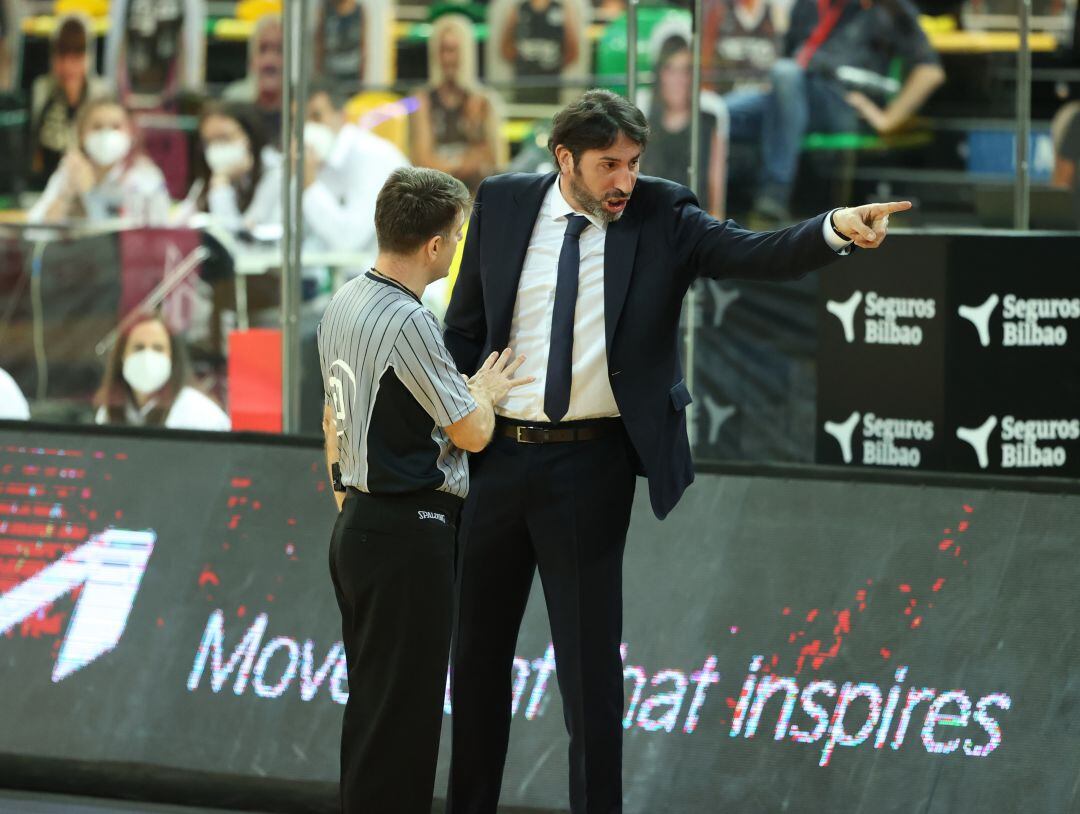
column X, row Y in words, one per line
column 398, row 421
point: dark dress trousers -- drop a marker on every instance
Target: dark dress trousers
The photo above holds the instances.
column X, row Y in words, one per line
column 563, row 508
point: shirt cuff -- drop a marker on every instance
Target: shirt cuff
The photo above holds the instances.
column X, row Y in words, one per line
column 836, row 243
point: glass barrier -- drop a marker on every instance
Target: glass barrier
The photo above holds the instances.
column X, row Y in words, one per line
column 141, row 223
column 798, row 112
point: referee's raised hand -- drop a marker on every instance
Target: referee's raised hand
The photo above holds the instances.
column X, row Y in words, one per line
column 495, row 378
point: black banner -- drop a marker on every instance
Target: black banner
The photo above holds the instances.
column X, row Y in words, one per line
column 953, row 353
column 1014, row 357
column 790, row 644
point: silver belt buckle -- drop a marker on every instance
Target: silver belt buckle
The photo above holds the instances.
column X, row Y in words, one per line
column 520, row 436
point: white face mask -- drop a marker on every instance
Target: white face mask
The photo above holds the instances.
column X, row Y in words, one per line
column 319, row 139
column 106, row 147
column 225, row 156
column 147, row 370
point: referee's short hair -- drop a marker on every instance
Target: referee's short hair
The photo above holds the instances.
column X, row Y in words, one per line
column 416, row 204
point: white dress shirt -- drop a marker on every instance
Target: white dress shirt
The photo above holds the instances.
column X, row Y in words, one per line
column 339, row 208
column 530, row 329
column 191, row 410
column 132, row 190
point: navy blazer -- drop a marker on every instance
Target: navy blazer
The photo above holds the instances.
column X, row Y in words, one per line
column 652, row 254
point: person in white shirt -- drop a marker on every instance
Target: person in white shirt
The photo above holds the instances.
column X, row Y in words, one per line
column 237, row 175
column 106, row 176
column 147, row 383
column 13, row 404
column 344, row 169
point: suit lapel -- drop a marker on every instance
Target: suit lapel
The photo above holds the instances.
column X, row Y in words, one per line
column 620, row 248
column 513, row 245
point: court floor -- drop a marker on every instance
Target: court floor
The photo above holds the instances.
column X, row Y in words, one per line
column 26, row 802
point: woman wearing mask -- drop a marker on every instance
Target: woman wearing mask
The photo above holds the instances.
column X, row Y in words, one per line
column 237, row 176
column 106, row 176
column 147, row 383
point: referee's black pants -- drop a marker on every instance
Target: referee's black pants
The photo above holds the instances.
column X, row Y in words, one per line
column 562, row 509
column 392, row 564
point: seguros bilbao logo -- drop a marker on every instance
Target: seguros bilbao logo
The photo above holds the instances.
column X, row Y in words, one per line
column 885, row 441
column 1025, row 443
column 886, row 320
column 1026, row 322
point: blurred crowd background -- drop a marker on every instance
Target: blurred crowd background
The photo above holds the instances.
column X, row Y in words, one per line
column 141, row 171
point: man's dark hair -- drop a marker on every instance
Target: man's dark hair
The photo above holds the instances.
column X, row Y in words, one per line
column 414, row 205
column 70, row 37
column 337, row 92
column 594, row 122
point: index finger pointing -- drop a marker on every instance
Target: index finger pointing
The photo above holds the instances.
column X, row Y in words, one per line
column 895, row 206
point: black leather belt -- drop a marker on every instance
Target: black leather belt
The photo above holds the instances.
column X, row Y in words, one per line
column 538, row 434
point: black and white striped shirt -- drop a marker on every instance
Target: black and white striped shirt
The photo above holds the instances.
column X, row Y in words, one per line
column 393, row 387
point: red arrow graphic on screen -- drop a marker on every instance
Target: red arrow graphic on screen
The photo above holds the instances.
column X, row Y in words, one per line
column 110, row 567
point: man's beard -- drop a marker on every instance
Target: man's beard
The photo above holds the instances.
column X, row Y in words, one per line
column 590, row 203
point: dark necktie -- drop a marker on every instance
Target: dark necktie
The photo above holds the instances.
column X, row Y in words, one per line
column 561, row 352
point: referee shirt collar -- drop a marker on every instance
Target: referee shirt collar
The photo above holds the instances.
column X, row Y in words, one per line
column 558, row 208
column 371, row 275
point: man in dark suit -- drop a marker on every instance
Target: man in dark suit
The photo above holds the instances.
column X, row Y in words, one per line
column 583, row 272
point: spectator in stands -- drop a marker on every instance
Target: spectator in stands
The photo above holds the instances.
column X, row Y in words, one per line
column 540, row 38
column 58, row 96
column 669, row 115
column 237, row 175
column 344, row 169
column 339, row 42
column 262, row 86
column 455, row 128
column 13, row 406
column 106, row 176
column 741, row 41
column 156, row 59
column 156, row 49
column 148, row 383
column 838, row 55
column 1066, row 134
